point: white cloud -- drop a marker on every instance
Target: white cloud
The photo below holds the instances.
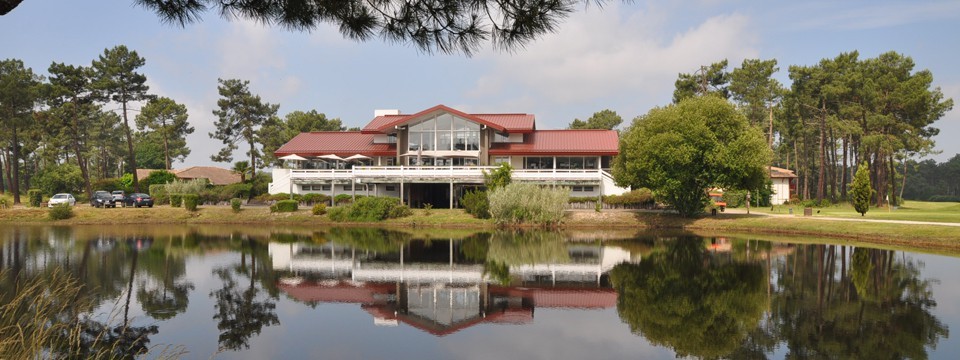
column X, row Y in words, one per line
column 611, row 55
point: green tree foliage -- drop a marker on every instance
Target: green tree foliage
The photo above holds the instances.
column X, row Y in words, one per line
column 158, row 177
column 712, row 79
column 118, row 80
column 240, row 115
column 168, row 120
column 681, row 151
column 148, row 149
column 64, row 178
column 499, row 177
column 18, row 96
column 605, row 119
column 691, row 301
column 242, row 168
column 860, row 190
column 446, row 26
column 929, row 179
column 756, row 92
column 71, row 112
column 274, row 134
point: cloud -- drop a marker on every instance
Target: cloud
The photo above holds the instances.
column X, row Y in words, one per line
column 616, row 54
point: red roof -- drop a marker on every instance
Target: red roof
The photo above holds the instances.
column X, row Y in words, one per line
column 341, row 143
column 562, row 142
column 511, row 123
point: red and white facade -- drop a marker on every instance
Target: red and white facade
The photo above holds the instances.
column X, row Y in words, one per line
column 433, row 156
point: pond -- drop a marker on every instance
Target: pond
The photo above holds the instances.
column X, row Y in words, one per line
column 365, row 293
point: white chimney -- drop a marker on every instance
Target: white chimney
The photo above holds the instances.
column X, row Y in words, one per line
column 381, row 112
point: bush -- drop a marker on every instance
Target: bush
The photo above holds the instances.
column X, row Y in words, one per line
column 285, row 206
column 194, row 186
column 4, row 203
column 159, row 193
column 338, row 213
column 157, row 177
column 642, row 197
column 519, row 203
column 427, row 207
column 476, row 204
column 190, row 201
column 319, row 208
column 314, row 198
column 65, row 178
column 235, row 204
column 61, row 211
column 344, row 199
column 176, row 200
column 35, row 196
column 370, row 208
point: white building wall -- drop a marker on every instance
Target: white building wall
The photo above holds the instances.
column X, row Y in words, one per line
column 781, row 191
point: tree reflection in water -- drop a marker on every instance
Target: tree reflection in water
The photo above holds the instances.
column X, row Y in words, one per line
column 241, row 312
column 688, row 300
column 822, row 301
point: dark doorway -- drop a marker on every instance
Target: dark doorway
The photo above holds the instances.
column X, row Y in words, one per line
column 437, row 195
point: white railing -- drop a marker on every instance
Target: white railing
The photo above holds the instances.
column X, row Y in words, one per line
column 451, row 172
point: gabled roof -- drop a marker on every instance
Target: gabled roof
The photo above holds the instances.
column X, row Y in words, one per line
column 776, row 172
column 510, row 123
column 216, row 175
column 562, row 142
column 341, row 143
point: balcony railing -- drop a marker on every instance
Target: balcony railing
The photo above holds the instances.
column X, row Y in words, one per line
column 442, row 172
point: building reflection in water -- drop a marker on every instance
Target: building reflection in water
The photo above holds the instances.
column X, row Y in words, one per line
column 432, row 286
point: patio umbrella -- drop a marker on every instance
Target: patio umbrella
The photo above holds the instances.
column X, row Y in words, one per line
column 293, row 157
column 332, row 157
column 357, row 157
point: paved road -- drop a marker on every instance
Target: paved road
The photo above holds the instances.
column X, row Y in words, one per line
column 907, row 222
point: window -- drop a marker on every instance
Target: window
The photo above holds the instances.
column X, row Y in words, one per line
column 390, row 188
column 443, row 133
column 585, row 188
column 389, row 161
column 323, row 187
column 500, row 137
column 501, row 159
column 538, row 163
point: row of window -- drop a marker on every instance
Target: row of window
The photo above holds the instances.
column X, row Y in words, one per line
column 360, row 187
column 562, row 162
column 429, row 161
column 444, row 133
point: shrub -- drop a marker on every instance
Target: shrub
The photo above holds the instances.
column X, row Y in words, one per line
column 518, row 203
column 314, row 198
column 35, row 197
column 4, row 203
column 427, row 207
column 159, row 193
column 370, row 208
column 190, row 201
column 65, row 178
column 194, row 186
column 157, row 177
column 338, row 213
column 285, row 206
column 176, row 200
column 476, row 204
column 235, row 204
column 344, row 199
column 642, row 197
column 319, row 208
column 61, row 211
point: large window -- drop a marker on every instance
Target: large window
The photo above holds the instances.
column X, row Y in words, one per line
column 562, row 162
column 538, row 163
column 443, row 133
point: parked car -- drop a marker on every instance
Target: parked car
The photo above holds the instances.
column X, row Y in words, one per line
column 102, row 199
column 138, row 200
column 62, row 198
column 118, row 197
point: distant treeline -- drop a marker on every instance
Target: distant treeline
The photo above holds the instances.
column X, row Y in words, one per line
column 928, row 180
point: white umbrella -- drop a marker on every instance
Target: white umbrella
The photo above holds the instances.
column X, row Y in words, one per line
column 293, row 157
column 331, row 157
column 357, row 157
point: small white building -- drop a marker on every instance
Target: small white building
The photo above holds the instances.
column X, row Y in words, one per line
column 784, row 185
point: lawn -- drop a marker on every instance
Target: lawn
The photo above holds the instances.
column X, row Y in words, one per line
column 911, row 210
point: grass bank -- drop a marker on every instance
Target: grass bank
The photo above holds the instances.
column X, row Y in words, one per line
column 930, row 237
column 909, row 211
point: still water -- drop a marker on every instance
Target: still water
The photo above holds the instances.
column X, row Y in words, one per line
column 258, row 293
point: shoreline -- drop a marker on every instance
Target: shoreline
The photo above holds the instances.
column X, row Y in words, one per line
column 926, row 236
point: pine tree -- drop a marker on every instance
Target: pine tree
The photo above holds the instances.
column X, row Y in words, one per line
column 860, row 191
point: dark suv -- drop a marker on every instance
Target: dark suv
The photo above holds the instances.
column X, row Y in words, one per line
column 138, row 200
column 102, row 199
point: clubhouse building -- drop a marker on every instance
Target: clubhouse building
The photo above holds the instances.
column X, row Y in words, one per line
column 437, row 154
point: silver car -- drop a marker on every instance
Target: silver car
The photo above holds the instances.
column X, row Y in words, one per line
column 62, row 199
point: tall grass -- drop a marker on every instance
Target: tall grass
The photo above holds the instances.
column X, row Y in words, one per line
column 523, row 203
column 44, row 317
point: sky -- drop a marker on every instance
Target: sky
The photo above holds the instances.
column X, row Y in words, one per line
column 624, row 56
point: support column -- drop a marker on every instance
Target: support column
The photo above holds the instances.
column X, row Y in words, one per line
column 451, row 194
column 333, row 193
column 353, row 188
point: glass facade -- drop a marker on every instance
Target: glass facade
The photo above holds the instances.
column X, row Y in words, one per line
column 443, row 132
column 562, row 162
